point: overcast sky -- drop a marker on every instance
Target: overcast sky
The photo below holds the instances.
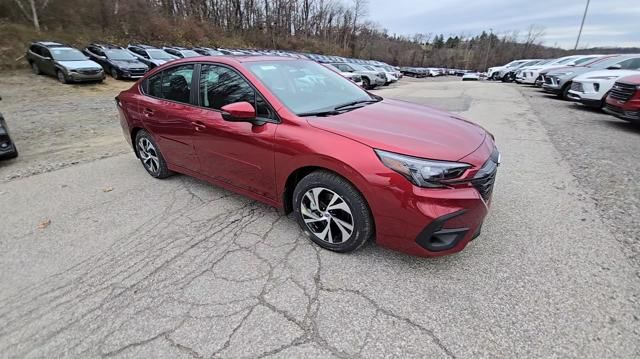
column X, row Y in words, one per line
column 609, row 22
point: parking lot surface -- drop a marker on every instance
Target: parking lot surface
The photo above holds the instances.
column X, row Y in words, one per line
column 101, row 260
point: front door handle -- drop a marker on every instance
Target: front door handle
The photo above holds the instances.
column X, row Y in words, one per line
column 147, row 112
column 199, row 126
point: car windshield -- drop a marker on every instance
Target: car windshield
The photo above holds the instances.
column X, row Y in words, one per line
column 67, row 55
column 159, row 54
column 358, row 67
column 118, row 54
column 189, row 53
column 306, row 87
column 604, row 62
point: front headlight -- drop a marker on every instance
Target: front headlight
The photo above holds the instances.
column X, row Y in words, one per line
column 560, row 74
column 422, row 172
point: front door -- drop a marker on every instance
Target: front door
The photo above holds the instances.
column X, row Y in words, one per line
column 239, row 153
column 166, row 112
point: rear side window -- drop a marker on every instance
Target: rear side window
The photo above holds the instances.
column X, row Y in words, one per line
column 173, row 84
column 35, row 49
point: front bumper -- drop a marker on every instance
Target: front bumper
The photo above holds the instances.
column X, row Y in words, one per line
column 619, row 112
column 431, row 222
column 80, row 77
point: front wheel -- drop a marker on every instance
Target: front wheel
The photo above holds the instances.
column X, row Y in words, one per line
column 150, row 156
column 61, row 77
column 114, row 74
column 366, row 83
column 332, row 212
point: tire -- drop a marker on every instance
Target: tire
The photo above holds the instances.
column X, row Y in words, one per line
column 61, row 77
column 114, row 74
column 350, row 216
column 150, row 156
column 366, row 83
column 564, row 93
column 35, row 69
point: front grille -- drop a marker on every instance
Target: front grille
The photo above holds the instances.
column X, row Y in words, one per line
column 486, row 177
column 577, row 86
column 622, row 91
column 88, row 71
column 137, row 72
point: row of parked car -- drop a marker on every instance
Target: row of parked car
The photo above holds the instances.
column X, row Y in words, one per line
column 607, row 82
column 95, row 61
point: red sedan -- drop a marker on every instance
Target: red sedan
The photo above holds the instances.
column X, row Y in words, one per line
column 351, row 165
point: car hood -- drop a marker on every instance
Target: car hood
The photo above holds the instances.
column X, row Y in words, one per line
column 128, row 64
column 84, row 64
column 631, row 80
column 608, row 73
column 407, row 128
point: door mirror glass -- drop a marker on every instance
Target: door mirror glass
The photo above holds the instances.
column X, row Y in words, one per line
column 614, row 67
column 239, row 112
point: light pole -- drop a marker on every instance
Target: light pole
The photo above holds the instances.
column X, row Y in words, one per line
column 486, row 56
column 584, row 16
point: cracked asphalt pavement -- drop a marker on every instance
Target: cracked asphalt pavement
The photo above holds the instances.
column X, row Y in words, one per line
column 130, row 266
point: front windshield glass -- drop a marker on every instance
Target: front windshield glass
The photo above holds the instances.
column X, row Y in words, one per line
column 189, row 53
column 358, row 67
column 307, row 87
column 159, row 55
column 63, row 54
column 118, row 54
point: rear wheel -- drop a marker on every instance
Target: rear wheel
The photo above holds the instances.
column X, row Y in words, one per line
column 332, row 212
column 35, row 68
column 150, row 156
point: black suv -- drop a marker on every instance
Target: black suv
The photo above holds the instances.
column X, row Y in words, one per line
column 62, row 61
column 180, row 52
column 150, row 55
column 7, row 147
column 117, row 61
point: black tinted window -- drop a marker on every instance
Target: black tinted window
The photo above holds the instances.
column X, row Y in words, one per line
column 154, row 85
column 220, row 86
column 176, row 83
column 35, row 49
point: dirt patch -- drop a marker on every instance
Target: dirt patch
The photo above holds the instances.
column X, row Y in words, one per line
column 56, row 125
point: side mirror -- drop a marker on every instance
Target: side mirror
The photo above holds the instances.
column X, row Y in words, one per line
column 240, row 112
column 614, row 67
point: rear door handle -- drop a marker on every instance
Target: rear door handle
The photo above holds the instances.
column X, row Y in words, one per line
column 199, row 126
column 147, row 112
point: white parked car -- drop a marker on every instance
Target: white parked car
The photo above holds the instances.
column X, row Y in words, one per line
column 471, row 76
column 591, row 88
column 530, row 74
column 350, row 75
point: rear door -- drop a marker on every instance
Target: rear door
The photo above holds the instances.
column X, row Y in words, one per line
column 46, row 63
column 167, row 109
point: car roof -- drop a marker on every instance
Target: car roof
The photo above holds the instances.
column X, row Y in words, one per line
column 105, row 46
column 143, row 46
column 51, row 44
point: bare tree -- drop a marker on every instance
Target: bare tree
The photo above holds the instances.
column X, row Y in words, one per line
column 31, row 8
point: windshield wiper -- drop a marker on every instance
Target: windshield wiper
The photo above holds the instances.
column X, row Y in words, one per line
column 320, row 113
column 354, row 103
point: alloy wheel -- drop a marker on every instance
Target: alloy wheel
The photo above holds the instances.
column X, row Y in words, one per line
column 148, row 155
column 114, row 74
column 327, row 215
column 61, row 77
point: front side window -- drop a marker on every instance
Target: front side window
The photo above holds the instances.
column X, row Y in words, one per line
column 220, row 86
column 305, row 86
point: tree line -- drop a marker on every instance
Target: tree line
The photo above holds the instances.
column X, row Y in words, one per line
column 335, row 27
